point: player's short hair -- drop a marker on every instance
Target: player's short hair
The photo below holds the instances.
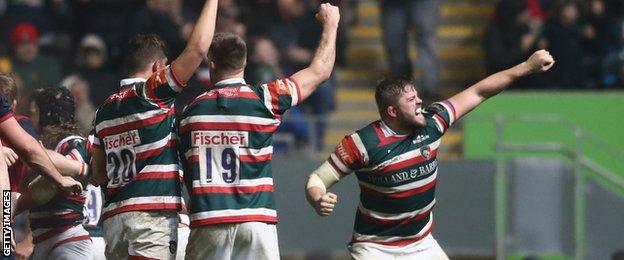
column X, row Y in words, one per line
column 228, row 51
column 142, row 50
column 388, row 91
column 8, row 87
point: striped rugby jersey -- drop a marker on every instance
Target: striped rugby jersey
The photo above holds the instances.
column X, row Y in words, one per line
column 135, row 128
column 62, row 217
column 396, row 175
column 226, row 147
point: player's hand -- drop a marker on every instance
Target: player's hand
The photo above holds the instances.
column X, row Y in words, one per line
column 10, row 157
column 68, row 184
column 328, row 14
column 324, row 205
column 540, row 61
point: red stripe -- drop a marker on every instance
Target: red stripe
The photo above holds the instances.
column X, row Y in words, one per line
column 228, row 126
column 444, row 123
column 406, row 163
column 156, row 175
column 232, row 190
column 51, row 233
column 404, row 242
column 399, row 195
column 141, row 207
column 448, row 103
column 234, row 219
column 298, row 89
column 175, row 77
column 193, row 159
column 134, row 124
column 255, row 158
column 333, row 164
column 125, row 93
column 403, row 221
column 69, row 240
column 274, row 97
column 6, row 116
column 112, row 191
column 154, row 152
column 138, row 257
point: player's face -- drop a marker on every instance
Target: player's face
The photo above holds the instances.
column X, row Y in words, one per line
column 410, row 108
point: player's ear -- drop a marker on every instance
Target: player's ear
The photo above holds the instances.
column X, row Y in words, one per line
column 391, row 111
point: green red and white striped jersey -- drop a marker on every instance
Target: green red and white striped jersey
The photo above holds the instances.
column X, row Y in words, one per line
column 397, row 177
column 226, row 149
column 62, row 216
column 135, row 128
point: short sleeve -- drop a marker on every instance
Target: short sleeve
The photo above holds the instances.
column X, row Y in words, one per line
column 76, row 148
column 162, row 87
column 440, row 115
column 349, row 155
column 5, row 109
column 280, row 95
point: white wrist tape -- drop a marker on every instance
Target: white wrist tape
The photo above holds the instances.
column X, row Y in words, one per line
column 324, row 177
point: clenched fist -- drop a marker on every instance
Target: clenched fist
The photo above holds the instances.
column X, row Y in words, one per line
column 540, row 61
column 324, row 205
column 328, row 14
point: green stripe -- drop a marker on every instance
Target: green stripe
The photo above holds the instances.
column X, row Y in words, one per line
column 146, row 188
column 95, row 231
column 284, row 103
column 208, row 202
column 397, row 206
column 57, row 223
column 163, row 92
column 364, row 227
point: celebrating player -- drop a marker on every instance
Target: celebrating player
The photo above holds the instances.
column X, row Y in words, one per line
column 27, row 148
column 133, row 149
column 226, row 148
column 395, row 162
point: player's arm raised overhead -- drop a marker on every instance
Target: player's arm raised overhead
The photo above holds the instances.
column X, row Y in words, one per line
column 197, row 47
column 322, row 63
column 34, row 155
column 476, row 94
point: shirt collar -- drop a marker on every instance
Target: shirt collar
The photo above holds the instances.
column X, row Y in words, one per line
column 129, row 81
column 230, row 82
column 387, row 131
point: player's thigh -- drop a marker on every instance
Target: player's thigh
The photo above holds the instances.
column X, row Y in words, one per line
column 428, row 248
column 77, row 250
column 115, row 237
column 367, row 251
column 210, row 242
column 256, row 240
column 153, row 234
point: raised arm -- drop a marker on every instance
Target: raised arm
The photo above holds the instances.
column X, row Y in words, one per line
column 323, row 61
column 34, row 155
column 476, row 94
column 197, row 47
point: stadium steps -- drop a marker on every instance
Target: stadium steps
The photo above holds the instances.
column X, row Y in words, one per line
column 460, row 50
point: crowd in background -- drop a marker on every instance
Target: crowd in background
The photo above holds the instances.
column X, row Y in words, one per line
column 586, row 38
column 80, row 45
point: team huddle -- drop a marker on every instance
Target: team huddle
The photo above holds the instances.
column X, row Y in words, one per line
column 120, row 187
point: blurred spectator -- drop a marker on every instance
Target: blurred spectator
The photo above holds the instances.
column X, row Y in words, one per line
column 614, row 60
column 264, row 67
column 598, row 34
column 85, row 111
column 423, row 17
column 512, row 36
column 565, row 35
column 35, row 69
column 296, row 34
column 165, row 18
column 90, row 65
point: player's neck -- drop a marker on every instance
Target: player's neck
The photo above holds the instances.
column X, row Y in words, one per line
column 223, row 76
column 395, row 126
